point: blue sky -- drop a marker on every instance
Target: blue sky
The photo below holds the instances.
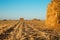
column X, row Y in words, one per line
column 28, row 9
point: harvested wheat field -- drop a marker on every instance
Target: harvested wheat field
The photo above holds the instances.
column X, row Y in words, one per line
column 26, row 30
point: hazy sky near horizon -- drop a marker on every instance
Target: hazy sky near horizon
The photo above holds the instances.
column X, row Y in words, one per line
column 28, row 9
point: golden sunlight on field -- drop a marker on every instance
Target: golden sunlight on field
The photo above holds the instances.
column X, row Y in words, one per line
column 26, row 30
